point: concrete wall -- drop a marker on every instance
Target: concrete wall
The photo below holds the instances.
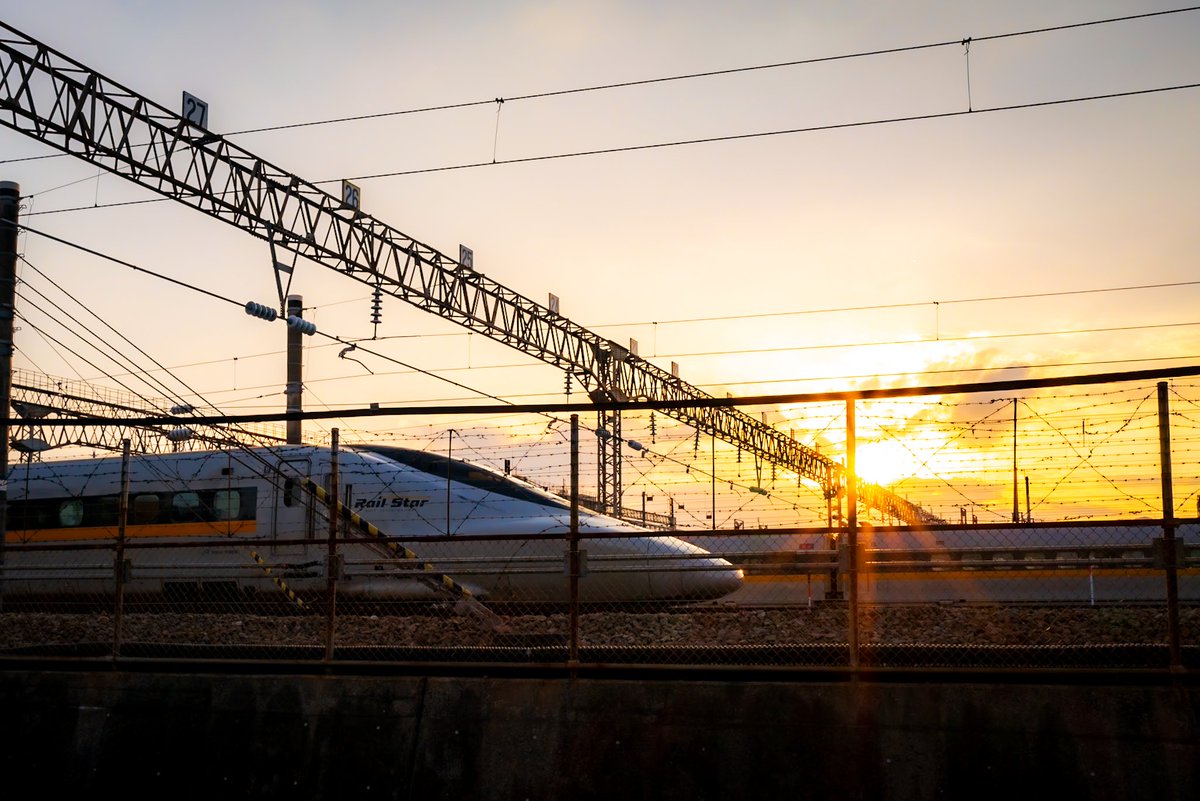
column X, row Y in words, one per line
column 361, row 737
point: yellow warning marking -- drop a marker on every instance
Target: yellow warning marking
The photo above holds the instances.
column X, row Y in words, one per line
column 399, row 550
column 278, row 581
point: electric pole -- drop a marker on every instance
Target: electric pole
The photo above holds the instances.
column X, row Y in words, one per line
column 295, row 370
column 10, row 200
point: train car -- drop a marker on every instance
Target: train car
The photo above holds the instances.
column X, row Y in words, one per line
column 249, row 521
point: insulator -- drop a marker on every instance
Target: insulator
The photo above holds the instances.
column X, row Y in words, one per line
column 633, row 443
column 603, row 433
column 259, row 310
column 178, row 434
column 183, row 408
column 653, row 428
column 300, row 324
column 376, row 306
column 568, row 385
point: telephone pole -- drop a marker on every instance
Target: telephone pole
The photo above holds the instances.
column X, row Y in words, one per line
column 295, row 370
column 10, row 200
column 1016, row 504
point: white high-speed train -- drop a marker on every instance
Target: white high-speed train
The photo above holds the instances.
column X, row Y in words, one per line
column 247, row 521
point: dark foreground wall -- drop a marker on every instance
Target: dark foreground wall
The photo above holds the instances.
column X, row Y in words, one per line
column 182, row 736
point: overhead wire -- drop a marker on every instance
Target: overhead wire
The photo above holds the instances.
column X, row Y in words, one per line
column 719, row 72
column 903, row 305
column 927, row 341
column 764, row 134
column 240, row 304
column 731, row 137
column 687, row 76
column 764, row 315
column 834, row 310
column 98, row 340
column 25, row 318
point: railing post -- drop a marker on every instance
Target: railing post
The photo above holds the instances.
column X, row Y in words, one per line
column 120, row 573
column 1170, row 561
column 851, row 546
column 331, row 569
column 573, row 558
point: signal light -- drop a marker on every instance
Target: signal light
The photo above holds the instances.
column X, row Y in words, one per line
column 261, row 311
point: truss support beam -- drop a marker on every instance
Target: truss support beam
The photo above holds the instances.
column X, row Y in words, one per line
column 37, row 398
column 68, row 106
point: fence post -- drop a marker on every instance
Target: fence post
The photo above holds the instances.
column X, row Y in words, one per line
column 851, row 546
column 1170, row 562
column 119, row 568
column 331, row 568
column 573, row 558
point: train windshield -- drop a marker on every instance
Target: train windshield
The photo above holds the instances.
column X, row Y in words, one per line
column 465, row 473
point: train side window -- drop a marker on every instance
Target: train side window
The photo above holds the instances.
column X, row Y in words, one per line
column 101, row 510
column 227, row 504
column 32, row 514
column 70, row 513
column 289, row 492
column 144, row 509
column 29, row 514
column 185, row 506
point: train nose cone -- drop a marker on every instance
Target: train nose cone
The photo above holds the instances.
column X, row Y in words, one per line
column 732, row 581
column 717, row 583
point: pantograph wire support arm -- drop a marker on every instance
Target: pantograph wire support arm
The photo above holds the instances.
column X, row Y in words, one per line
column 68, row 106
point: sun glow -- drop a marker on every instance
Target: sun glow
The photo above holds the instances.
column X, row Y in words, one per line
column 885, row 462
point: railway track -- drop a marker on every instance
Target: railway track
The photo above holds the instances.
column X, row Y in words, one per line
column 909, row 635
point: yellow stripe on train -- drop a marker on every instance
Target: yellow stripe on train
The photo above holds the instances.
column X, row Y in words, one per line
column 228, row 528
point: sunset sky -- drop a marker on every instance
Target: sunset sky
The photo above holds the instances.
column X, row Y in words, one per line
column 881, row 254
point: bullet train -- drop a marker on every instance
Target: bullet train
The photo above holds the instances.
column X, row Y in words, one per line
column 254, row 522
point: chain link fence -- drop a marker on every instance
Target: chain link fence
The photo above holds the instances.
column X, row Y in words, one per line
column 1053, row 534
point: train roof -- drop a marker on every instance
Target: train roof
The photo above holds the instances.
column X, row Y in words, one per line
column 465, row 473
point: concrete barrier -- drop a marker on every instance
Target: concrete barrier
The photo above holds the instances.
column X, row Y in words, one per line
column 217, row 736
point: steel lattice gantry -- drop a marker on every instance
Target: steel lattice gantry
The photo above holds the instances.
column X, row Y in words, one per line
column 37, row 398
column 68, row 106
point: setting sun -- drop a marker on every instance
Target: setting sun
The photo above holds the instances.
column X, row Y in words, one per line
column 885, row 462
